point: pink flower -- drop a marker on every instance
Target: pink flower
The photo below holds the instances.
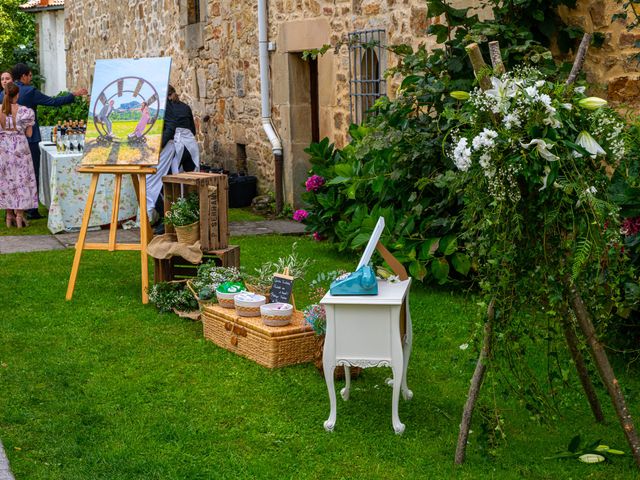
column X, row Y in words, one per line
column 630, row 226
column 317, row 237
column 300, row 215
column 314, row 182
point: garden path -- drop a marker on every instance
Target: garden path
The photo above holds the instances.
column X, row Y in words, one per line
column 38, row 243
column 5, row 473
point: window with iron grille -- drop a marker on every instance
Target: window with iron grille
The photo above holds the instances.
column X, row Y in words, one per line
column 366, row 83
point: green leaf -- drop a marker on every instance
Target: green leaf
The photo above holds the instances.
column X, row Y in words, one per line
column 417, row 270
column 574, row 444
column 440, row 269
column 448, row 244
column 429, row 247
column 351, row 191
column 360, row 239
column 338, row 180
column 344, row 170
column 461, row 263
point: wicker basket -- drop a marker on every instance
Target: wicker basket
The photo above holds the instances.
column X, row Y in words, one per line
column 188, row 234
column 271, row 347
column 276, row 318
column 201, row 302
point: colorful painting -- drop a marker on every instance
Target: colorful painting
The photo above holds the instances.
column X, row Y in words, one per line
column 126, row 111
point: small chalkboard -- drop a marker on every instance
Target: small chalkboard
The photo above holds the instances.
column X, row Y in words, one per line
column 281, row 288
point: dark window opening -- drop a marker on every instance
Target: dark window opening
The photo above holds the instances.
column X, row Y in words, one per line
column 193, row 11
column 366, row 83
column 313, row 92
column 241, row 158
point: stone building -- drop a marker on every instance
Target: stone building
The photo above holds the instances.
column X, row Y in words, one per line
column 49, row 16
column 214, row 46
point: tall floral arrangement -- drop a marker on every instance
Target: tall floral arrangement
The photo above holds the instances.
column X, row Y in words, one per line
column 534, row 160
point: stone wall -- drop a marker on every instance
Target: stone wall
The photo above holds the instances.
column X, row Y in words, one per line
column 215, row 64
column 613, row 68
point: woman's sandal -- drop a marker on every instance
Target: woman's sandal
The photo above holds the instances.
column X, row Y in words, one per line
column 11, row 220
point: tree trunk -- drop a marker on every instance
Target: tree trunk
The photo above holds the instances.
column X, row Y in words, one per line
column 606, row 372
column 579, row 60
column 476, row 384
column 581, row 367
column 480, row 69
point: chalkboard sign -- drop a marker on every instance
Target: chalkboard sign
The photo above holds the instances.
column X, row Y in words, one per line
column 281, row 288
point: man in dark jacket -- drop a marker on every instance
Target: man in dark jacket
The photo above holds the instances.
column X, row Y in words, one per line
column 31, row 97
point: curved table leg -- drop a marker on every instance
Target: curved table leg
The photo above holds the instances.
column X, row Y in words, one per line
column 398, row 426
column 347, row 376
column 406, row 346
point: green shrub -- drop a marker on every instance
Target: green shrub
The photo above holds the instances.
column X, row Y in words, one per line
column 78, row 110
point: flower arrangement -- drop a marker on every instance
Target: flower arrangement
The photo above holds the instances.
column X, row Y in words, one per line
column 316, row 316
column 526, row 127
column 184, row 211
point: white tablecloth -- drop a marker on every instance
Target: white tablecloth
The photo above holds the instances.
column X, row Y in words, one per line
column 64, row 192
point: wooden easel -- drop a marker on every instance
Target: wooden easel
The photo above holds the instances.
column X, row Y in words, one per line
column 138, row 176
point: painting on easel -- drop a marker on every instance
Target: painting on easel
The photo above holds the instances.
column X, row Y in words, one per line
column 126, row 111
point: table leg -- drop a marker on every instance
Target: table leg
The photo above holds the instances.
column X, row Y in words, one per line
column 347, row 387
column 408, row 340
column 329, row 366
column 397, row 364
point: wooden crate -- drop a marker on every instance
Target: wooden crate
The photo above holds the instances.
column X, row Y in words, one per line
column 177, row 268
column 271, row 347
column 213, row 191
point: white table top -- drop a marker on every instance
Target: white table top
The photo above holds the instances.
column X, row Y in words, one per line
column 53, row 151
column 388, row 294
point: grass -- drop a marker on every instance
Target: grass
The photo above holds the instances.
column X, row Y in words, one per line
column 39, row 227
column 36, row 227
column 104, row 387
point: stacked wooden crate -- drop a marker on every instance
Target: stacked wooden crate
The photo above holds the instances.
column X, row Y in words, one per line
column 212, row 190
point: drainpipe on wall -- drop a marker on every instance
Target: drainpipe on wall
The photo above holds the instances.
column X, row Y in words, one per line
column 267, row 124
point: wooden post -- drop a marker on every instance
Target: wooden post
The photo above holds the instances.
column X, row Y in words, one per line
column 480, row 69
column 496, row 58
column 476, row 384
column 606, row 372
column 579, row 60
column 581, row 367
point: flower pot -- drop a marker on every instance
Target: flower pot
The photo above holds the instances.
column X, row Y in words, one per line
column 188, row 234
column 248, row 304
column 276, row 314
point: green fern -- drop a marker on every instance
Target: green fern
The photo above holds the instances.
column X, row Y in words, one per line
column 583, row 251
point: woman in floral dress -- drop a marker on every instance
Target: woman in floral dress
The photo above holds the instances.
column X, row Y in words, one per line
column 18, row 190
column 142, row 123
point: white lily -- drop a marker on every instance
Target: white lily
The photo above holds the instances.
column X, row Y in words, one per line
column 543, row 149
column 586, row 141
column 592, row 103
column 501, row 90
column 547, row 171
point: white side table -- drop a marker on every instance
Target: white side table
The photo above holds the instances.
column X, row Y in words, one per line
column 365, row 331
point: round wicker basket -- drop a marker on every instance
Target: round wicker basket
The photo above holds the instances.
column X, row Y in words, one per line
column 188, row 234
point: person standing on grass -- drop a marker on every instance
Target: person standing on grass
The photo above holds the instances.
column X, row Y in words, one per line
column 31, row 97
column 18, row 190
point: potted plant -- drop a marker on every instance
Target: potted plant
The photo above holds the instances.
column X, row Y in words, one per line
column 184, row 216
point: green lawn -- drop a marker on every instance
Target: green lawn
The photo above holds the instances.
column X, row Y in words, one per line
column 104, row 387
column 39, row 227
